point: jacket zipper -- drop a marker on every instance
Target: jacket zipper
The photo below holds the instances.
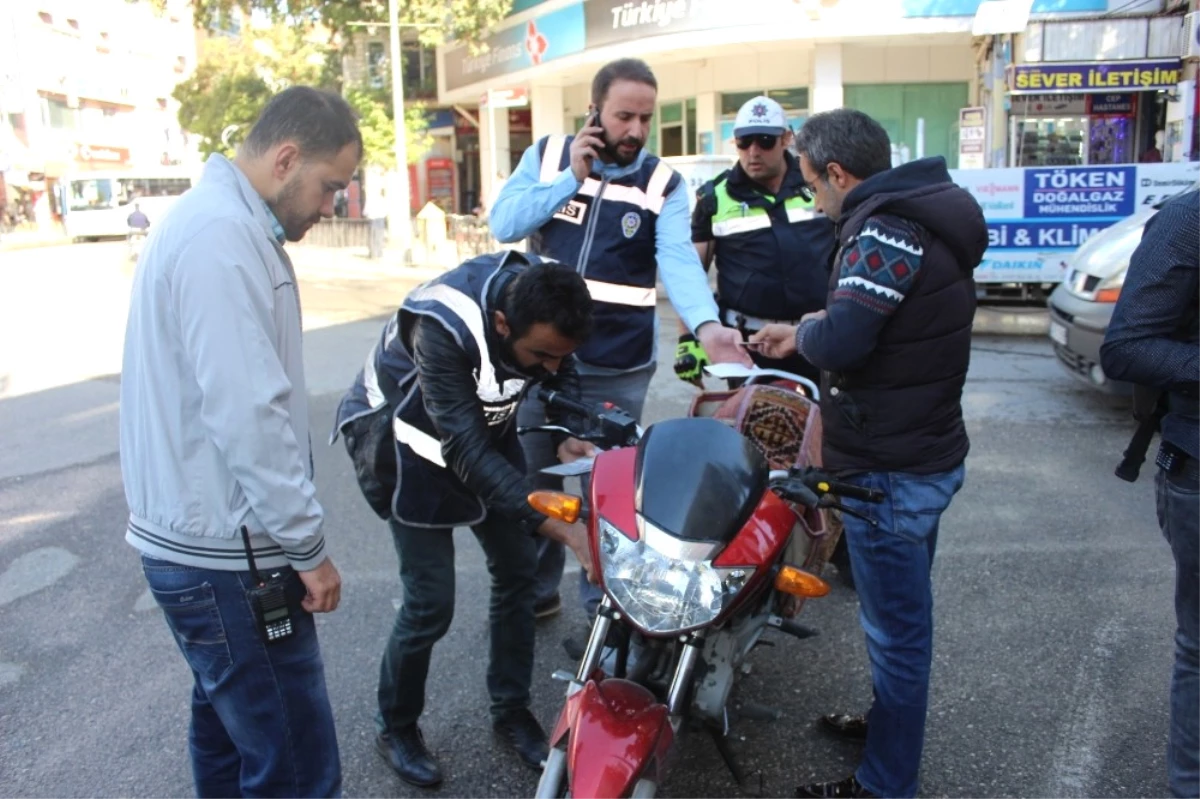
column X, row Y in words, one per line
column 590, row 230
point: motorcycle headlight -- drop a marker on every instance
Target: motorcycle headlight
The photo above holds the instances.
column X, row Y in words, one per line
column 664, row 592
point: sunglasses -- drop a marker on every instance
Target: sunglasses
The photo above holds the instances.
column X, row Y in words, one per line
column 765, row 141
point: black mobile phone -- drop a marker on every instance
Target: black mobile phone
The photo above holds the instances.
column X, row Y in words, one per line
column 593, row 120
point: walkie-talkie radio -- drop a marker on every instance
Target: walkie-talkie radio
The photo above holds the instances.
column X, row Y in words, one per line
column 269, row 600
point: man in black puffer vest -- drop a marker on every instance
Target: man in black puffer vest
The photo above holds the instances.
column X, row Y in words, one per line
column 893, row 344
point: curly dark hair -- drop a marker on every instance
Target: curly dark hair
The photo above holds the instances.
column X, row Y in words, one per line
column 549, row 293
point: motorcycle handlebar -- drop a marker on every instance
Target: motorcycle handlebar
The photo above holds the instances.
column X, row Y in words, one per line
column 607, row 425
column 556, row 399
column 854, row 492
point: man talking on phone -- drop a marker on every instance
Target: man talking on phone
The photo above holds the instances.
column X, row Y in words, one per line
column 598, row 201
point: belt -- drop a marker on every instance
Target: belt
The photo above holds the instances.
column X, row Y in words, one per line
column 745, row 321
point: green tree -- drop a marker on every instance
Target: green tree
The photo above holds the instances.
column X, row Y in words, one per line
column 375, row 121
column 464, row 20
column 235, row 78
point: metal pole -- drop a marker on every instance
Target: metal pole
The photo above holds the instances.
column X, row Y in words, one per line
column 399, row 212
column 493, row 168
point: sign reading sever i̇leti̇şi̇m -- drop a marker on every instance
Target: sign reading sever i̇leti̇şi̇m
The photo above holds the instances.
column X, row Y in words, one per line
column 1102, row 76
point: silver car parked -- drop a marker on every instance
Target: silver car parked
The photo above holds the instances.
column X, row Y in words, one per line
column 1082, row 305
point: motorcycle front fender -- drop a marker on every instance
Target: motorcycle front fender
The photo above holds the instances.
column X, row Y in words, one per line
column 616, row 728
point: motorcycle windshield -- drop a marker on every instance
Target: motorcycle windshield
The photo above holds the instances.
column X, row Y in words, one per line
column 698, row 479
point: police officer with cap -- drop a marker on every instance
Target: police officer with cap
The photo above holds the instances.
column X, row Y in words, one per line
column 772, row 249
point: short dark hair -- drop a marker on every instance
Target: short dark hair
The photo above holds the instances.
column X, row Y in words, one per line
column 549, row 293
column 632, row 69
column 320, row 123
column 847, row 137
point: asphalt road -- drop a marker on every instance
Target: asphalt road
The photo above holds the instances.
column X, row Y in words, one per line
column 1053, row 587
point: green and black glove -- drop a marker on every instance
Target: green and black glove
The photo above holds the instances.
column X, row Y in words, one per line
column 690, row 359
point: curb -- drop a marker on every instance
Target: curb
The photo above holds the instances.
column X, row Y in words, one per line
column 1001, row 321
column 31, row 245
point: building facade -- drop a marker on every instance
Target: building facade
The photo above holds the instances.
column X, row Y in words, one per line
column 915, row 65
column 85, row 85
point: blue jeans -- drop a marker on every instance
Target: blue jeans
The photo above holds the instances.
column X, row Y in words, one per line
column 261, row 720
column 1177, row 498
column 891, row 565
column 628, row 392
column 427, row 572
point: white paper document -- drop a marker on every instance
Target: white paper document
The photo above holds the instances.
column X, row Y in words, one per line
column 572, row 469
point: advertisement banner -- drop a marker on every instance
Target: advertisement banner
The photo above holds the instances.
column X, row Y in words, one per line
column 1038, row 216
column 968, row 8
column 550, row 36
column 616, row 21
column 1143, row 76
column 972, row 138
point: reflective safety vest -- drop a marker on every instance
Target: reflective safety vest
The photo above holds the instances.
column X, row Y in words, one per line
column 772, row 252
column 428, row 494
column 607, row 233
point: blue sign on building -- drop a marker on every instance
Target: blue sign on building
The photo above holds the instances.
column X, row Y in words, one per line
column 967, row 8
column 1102, row 191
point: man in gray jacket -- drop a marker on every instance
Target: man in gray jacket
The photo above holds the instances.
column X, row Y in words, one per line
column 215, row 450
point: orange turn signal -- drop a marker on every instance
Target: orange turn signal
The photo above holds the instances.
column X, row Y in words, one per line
column 1108, row 295
column 556, row 505
column 798, row 582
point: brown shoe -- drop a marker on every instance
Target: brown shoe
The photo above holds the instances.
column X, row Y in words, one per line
column 844, row 725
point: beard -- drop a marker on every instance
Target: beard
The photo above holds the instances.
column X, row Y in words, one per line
column 508, row 354
column 613, row 155
column 295, row 224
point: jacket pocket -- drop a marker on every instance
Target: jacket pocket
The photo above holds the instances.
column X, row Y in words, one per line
column 371, row 445
column 850, row 411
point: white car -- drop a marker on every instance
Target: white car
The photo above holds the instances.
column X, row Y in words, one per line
column 1082, row 305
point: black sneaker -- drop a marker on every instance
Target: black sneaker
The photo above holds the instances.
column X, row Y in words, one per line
column 550, row 606
column 849, row 788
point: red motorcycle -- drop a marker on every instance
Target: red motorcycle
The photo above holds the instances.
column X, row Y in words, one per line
column 691, row 533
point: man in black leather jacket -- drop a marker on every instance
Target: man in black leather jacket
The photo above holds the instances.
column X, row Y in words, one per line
column 448, row 373
column 1152, row 342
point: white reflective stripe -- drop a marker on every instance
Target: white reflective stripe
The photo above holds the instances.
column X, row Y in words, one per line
column 622, row 295
column 657, row 187
column 624, row 194
column 741, row 224
column 465, row 309
column 375, row 396
column 800, row 214
column 551, row 157
column 419, row 442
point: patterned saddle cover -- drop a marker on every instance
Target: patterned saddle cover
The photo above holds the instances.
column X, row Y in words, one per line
column 786, row 427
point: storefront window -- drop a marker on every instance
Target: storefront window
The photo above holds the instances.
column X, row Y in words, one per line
column 1073, row 130
column 1047, row 141
column 921, row 119
column 671, row 129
